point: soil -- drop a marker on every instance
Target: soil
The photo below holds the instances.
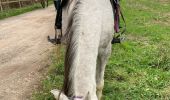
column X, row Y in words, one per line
column 24, row 52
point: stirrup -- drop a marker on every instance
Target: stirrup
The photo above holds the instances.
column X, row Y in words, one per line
column 117, row 40
column 58, row 36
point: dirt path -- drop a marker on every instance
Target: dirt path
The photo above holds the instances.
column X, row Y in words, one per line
column 24, row 51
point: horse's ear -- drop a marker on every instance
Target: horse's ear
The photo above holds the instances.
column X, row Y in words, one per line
column 59, row 96
column 88, row 96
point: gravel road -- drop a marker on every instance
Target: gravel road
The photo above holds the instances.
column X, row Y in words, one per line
column 24, row 52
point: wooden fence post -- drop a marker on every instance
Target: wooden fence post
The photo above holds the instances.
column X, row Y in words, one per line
column 1, row 5
column 19, row 3
column 8, row 4
column 31, row 2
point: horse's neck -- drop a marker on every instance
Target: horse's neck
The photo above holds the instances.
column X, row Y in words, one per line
column 82, row 51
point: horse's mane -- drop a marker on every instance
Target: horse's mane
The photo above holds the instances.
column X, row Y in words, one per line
column 72, row 32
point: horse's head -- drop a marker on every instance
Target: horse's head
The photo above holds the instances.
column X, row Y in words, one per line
column 61, row 96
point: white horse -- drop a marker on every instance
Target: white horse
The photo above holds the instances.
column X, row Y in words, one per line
column 88, row 27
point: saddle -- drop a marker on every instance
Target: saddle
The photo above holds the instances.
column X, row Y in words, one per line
column 117, row 15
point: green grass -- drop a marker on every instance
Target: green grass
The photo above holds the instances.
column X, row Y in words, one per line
column 18, row 11
column 139, row 68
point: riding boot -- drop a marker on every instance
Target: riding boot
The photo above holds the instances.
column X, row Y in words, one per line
column 58, row 21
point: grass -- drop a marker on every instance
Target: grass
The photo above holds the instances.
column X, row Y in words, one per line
column 18, row 11
column 139, row 68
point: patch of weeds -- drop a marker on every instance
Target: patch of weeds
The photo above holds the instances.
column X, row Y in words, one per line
column 54, row 78
column 157, row 81
column 162, row 60
column 18, row 11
